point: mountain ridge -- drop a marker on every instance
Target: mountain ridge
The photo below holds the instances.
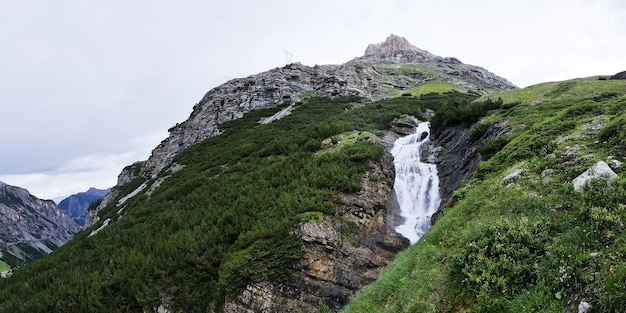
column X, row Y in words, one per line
column 75, row 206
column 30, row 227
column 377, row 75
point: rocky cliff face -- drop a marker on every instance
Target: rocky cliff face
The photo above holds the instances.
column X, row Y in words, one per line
column 31, row 227
column 128, row 174
column 457, row 155
column 386, row 69
column 75, row 206
column 342, row 254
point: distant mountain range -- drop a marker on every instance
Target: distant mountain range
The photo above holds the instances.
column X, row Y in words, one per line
column 75, row 206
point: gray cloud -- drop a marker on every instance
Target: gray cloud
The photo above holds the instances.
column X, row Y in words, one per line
column 84, row 80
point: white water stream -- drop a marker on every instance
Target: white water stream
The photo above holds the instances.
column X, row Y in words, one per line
column 416, row 184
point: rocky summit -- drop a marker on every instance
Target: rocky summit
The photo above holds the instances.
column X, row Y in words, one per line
column 385, row 70
column 30, row 227
column 399, row 50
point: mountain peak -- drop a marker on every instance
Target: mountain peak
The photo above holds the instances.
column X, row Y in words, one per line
column 397, row 49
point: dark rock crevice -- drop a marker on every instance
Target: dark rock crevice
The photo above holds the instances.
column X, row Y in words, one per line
column 457, row 154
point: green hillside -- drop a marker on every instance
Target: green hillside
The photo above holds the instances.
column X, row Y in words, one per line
column 528, row 243
column 224, row 220
column 432, row 86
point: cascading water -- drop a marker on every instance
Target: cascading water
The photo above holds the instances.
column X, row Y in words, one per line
column 416, row 184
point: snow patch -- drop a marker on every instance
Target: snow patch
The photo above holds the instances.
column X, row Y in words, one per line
column 105, row 224
column 132, row 194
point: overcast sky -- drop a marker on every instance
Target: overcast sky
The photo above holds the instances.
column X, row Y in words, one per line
column 89, row 86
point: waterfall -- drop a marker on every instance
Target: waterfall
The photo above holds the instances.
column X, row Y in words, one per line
column 416, row 184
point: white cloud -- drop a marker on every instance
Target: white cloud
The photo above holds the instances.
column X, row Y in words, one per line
column 51, row 186
column 79, row 174
column 79, row 78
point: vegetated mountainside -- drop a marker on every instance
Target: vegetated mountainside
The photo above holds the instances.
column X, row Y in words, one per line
column 518, row 236
column 275, row 195
column 75, row 206
column 386, row 69
column 30, row 227
column 293, row 215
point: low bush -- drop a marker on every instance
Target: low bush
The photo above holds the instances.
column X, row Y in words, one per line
column 500, row 258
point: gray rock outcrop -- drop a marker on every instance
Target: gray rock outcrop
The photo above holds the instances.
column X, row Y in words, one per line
column 398, row 50
column 514, row 176
column 615, row 164
column 598, row 170
column 31, row 227
column 128, row 174
column 584, row 307
column 458, row 155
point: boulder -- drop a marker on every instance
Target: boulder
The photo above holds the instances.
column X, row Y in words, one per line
column 404, row 125
column 599, row 170
column 584, row 307
column 615, row 164
column 514, row 176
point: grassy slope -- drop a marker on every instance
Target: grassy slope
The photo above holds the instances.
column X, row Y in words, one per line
column 3, row 267
column 432, row 86
column 532, row 245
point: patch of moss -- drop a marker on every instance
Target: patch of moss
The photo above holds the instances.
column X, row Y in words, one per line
column 432, row 87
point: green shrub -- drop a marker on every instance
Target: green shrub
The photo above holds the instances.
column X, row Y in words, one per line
column 501, row 258
column 614, row 297
column 479, row 130
column 463, row 112
column 266, row 259
column 614, row 134
column 488, row 148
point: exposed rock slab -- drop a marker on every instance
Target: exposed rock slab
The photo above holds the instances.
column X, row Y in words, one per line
column 458, row 157
column 598, row 170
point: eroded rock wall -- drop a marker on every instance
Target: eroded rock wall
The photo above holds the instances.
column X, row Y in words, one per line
column 342, row 254
column 457, row 155
column 31, row 227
